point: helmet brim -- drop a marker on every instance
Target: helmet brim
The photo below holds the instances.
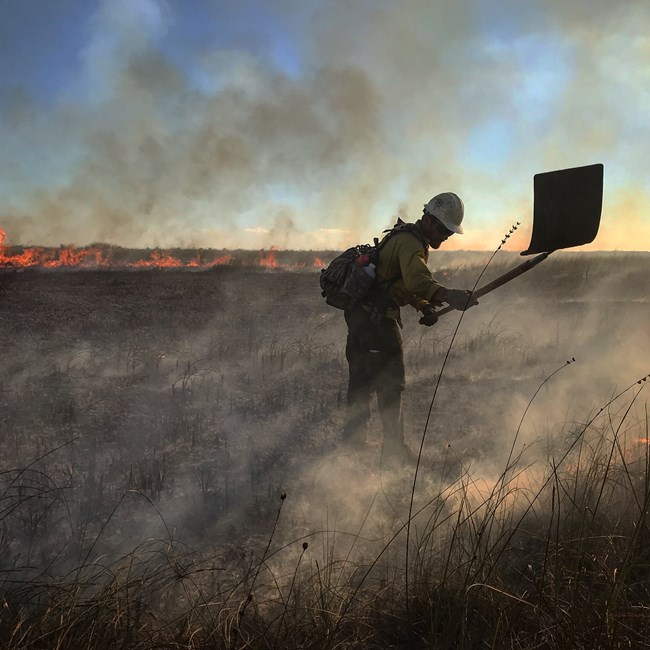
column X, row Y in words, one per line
column 454, row 227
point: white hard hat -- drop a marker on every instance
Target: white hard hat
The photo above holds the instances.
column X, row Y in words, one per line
column 449, row 209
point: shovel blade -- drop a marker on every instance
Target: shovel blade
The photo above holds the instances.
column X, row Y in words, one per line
column 567, row 207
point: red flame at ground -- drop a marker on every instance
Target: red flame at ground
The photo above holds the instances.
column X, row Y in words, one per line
column 71, row 257
column 268, row 260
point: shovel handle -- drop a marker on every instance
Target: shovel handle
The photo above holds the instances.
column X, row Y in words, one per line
column 502, row 279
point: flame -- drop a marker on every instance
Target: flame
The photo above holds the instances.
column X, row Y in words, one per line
column 224, row 260
column 80, row 257
column 101, row 257
column 158, row 260
column 269, row 260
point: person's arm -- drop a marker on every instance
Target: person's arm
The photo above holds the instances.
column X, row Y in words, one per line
column 415, row 273
column 419, row 281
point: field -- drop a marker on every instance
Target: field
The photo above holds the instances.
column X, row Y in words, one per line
column 172, row 475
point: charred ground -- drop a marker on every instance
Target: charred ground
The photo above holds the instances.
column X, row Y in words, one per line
column 178, row 405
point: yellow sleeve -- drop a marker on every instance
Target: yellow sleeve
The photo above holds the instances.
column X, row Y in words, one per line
column 416, row 275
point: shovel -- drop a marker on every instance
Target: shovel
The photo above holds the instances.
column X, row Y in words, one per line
column 566, row 213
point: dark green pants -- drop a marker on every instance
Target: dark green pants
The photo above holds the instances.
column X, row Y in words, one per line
column 376, row 364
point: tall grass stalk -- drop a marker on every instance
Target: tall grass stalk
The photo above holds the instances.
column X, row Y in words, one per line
column 430, row 410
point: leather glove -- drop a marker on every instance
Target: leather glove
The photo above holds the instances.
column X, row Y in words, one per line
column 429, row 316
column 461, row 299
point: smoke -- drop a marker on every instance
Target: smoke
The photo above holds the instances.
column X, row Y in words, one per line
column 211, row 394
column 308, row 118
column 159, row 160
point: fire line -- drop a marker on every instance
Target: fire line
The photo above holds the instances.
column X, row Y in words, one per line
column 104, row 257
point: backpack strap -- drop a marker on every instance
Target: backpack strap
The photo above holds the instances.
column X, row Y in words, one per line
column 399, row 227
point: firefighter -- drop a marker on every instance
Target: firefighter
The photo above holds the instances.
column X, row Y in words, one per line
column 374, row 345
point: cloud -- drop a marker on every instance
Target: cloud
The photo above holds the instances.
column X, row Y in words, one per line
column 382, row 108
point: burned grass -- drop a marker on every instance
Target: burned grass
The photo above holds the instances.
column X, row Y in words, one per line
column 151, row 422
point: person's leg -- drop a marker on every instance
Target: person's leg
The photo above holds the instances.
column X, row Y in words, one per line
column 360, row 385
column 389, row 383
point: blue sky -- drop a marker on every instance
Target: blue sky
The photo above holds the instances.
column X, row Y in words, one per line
column 312, row 124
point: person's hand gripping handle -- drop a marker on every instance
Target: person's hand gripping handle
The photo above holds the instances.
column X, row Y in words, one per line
column 461, row 299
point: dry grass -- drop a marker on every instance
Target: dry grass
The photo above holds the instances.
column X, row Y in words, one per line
column 150, row 423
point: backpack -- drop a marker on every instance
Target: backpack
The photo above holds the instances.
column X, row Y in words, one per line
column 349, row 277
